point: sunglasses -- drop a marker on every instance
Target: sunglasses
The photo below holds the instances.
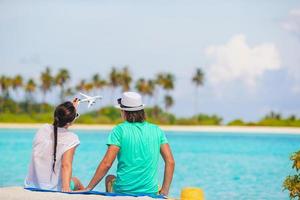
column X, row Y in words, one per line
column 76, row 116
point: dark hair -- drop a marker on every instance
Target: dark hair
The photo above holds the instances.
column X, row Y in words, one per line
column 63, row 114
column 135, row 116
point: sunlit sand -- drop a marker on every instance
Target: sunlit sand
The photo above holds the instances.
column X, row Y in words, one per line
column 194, row 129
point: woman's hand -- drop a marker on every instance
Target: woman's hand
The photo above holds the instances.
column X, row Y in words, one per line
column 66, row 189
column 75, row 103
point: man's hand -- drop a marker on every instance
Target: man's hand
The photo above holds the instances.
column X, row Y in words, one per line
column 163, row 192
column 83, row 190
column 87, row 189
column 104, row 166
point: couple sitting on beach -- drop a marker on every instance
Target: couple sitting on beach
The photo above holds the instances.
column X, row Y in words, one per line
column 136, row 143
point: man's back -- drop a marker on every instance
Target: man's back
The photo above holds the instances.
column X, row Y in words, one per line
column 138, row 156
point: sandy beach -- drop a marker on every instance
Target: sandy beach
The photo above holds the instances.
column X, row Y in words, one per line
column 18, row 193
column 175, row 128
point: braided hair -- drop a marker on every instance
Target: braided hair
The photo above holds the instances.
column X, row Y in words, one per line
column 63, row 114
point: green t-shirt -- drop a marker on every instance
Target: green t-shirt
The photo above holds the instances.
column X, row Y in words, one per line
column 138, row 157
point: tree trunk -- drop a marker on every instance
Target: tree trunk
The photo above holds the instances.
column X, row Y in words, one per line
column 112, row 95
column 196, row 101
column 62, row 94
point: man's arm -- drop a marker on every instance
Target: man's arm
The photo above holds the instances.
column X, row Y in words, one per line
column 166, row 153
column 104, row 166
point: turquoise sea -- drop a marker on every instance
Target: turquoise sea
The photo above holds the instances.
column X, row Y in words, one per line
column 224, row 165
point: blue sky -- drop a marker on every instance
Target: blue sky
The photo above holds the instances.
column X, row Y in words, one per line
column 248, row 49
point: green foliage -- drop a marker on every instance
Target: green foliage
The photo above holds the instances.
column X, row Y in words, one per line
column 208, row 120
column 279, row 122
column 110, row 112
column 26, row 118
column 292, row 182
column 29, row 112
column 186, row 121
column 295, row 157
column 275, row 119
column 158, row 116
column 200, row 119
column 237, row 122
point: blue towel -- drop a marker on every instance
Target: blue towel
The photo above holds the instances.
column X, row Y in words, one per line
column 97, row 193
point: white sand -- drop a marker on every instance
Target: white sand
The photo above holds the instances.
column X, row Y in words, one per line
column 18, row 193
column 198, row 129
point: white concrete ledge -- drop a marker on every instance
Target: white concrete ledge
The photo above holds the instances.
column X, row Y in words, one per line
column 18, row 193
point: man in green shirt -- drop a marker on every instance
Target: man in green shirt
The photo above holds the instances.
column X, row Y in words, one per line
column 137, row 144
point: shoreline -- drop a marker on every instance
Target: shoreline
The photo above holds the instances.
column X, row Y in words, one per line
column 173, row 128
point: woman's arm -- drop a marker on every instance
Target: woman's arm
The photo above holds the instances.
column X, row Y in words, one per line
column 66, row 169
column 166, row 153
column 104, row 166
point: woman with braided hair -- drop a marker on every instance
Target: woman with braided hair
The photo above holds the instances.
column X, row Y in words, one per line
column 53, row 150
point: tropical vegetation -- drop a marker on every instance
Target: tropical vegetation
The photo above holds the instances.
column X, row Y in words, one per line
column 292, row 182
column 27, row 100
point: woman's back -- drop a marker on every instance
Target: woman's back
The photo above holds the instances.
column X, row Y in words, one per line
column 41, row 174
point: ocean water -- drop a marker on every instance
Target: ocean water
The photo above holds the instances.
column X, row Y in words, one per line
column 224, row 165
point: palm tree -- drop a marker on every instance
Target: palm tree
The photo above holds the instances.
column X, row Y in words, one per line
column 273, row 115
column 159, row 81
column 46, row 82
column 169, row 82
column 145, row 87
column 81, row 85
column 292, row 118
column 151, row 88
column 125, row 79
column 17, row 83
column 168, row 100
column 198, row 80
column 114, row 81
column 141, row 86
column 5, row 84
column 85, row 86
column 88, row 87
column 166, row 82
column 69, row 92
column 98, row 82
column 61, row 79
column 30, row 88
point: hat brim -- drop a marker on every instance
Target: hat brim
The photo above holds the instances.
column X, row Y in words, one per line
column 141, row 107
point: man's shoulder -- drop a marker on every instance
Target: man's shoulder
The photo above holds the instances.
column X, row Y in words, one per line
column 125, row 125
column 152, row 126
column 120, row 125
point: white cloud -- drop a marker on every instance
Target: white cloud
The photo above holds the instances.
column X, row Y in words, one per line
column 292, row 23
column 237, row 61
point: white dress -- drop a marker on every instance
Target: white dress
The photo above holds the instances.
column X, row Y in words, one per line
column 40, row 173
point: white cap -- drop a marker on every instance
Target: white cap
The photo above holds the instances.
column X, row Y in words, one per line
column 130, row 101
